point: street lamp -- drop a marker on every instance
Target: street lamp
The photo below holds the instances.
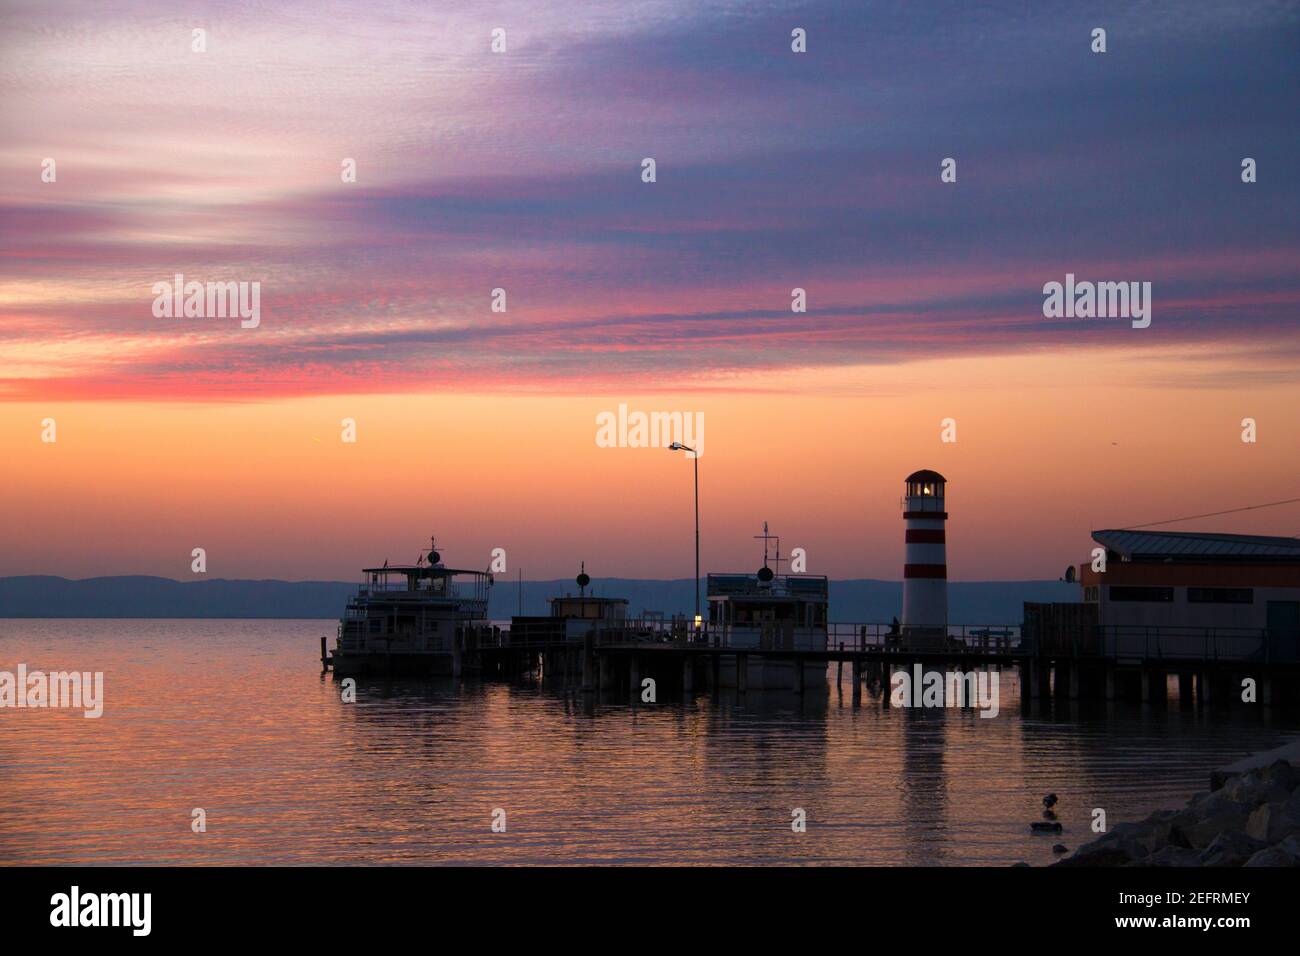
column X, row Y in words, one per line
column 695, row 457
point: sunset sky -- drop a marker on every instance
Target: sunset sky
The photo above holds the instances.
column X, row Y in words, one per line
column 522, row 170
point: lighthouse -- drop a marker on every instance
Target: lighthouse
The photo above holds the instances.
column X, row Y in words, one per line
column 925, row 568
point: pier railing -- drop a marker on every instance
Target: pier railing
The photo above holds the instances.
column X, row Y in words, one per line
column 1160, row 642
column 964, row 639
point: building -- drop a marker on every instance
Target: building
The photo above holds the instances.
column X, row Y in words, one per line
column 1186, row 588
column 572, row 619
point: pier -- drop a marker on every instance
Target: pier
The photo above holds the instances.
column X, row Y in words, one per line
column 1219, row 614
column 1090, row 661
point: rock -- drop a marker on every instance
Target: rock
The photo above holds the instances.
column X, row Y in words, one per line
column 1126, row 843
column 1257, row 787
column 1060, row 848
column 1166, row 827
column 1252, row 820
column 1282, row 773
column 1110, row 854
column 1286, row 853
column 1231, row 848
column 1274, row 822
column 1170, row 856
column 1206, row 818
column 1218, row 804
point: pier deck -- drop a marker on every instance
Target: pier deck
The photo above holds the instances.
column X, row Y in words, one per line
column 1093, row 662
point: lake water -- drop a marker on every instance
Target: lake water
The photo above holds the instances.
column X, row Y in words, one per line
column 234, row 717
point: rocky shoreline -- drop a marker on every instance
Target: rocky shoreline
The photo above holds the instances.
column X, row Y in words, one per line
column 1252, row 820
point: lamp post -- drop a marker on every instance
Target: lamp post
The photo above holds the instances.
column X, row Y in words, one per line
column 695, row 457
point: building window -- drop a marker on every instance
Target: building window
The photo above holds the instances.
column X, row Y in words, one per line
column 1221, row 595
column 1150, row 595
column 1090, row 595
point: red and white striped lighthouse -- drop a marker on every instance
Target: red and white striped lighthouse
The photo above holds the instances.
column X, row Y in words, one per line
column 925, row 568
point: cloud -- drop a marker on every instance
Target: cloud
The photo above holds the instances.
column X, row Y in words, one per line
column 774, row 171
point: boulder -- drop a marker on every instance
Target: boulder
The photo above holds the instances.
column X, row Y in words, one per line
column 1286, row 853
column 1283, row 773
column 1200, row 835
column 1126, row 843
column 1206, row 818
column 1231, row 848
column 1257, row 786
column 1171, row 856
column 1274, row 822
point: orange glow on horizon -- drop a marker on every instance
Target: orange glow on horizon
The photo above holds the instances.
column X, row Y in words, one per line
column 1045, row 453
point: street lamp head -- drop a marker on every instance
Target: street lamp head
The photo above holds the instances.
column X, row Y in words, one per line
column 678, row 446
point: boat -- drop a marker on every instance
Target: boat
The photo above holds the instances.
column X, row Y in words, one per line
column 419, row 619
column 769, row 611
column 604, row 619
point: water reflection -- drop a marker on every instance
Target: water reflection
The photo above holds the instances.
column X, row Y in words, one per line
column 233, row 717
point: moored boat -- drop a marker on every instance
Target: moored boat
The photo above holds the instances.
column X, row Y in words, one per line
column 424, row 618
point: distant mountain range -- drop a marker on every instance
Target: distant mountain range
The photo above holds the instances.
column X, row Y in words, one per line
column 969, row 602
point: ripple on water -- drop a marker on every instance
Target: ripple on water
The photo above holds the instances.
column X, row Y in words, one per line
column 233, row 717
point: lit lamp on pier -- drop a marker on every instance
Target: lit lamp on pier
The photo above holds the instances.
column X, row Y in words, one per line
column 678, row 446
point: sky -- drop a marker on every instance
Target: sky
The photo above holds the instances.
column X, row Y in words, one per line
column 522, row 170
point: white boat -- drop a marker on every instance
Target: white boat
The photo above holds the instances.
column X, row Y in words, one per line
column 423, row 618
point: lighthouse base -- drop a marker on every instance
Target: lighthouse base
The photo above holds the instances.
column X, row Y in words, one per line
column 920, row 638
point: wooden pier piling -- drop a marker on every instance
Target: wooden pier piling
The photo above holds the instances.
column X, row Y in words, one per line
column 587, row 663
column 1046, row 669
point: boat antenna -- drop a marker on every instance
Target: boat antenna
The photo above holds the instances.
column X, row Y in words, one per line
column 765, row 573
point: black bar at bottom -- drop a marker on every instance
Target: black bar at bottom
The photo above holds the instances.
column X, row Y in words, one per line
column 677, row 907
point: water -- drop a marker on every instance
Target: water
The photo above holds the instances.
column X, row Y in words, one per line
column 234, row 717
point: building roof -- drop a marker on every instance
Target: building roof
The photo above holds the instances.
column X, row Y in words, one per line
column 589, row 598
column 422, row 569
column 925, row 474
column 784, row 587
column 1197, row 546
